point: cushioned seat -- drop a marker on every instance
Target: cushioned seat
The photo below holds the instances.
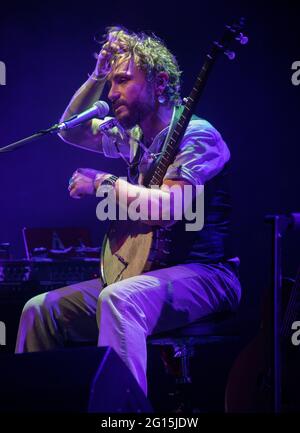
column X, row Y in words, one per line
column 215, row 328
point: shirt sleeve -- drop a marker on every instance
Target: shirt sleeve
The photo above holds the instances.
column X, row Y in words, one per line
column 202, row 154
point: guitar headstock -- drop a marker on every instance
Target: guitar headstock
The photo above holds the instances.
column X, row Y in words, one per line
column 232, row 33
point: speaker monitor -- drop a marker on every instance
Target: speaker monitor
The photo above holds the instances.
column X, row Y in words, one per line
column 87, row 379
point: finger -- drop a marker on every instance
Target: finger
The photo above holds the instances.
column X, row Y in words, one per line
column 106, row 51
column 114, row 46
column 105, row 46
column 78, row 175
column 83, row 171
column 71, row 186
column 104, row 55
column 110, row 49
column 75, row 194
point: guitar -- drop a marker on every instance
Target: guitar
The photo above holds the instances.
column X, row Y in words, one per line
column 250, row 385
column 131, row 248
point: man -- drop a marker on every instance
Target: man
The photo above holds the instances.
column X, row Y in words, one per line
column 144, row 88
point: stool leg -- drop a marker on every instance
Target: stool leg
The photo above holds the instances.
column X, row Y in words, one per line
column 184, row 382
column 184, row 352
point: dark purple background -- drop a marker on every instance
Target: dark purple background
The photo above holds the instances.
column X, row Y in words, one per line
column 48, row 54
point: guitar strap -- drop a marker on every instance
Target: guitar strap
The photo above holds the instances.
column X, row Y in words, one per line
column 133, row 167
column 177, row 111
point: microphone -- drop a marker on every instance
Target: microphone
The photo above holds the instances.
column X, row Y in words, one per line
column 99, row 109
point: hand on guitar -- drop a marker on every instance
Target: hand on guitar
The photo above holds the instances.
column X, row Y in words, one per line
column 82, row 182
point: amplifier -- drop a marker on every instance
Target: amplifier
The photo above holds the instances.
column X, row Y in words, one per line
column 49, row 269
column 14, row 270
column 69, row 271
column 28, row 276
column 21, row 280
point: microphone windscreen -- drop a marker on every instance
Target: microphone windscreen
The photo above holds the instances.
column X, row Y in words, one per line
column 102, row 108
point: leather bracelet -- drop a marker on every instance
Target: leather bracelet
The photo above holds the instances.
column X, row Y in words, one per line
column 111, row 180
column 94, row 77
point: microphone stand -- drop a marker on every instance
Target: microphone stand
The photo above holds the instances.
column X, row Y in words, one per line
column 280, row 224
column 99, row 109
column 13, row 146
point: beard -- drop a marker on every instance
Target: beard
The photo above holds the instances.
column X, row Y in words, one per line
column 136, row 111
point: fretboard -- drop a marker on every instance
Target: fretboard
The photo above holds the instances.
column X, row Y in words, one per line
column 171, row 147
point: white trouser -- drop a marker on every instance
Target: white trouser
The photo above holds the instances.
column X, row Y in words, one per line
column 123, row 314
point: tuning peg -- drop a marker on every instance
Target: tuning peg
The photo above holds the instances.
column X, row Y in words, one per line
column 243, row 40
column 230, row 54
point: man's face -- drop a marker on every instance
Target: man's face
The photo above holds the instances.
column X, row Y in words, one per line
column 131, row 95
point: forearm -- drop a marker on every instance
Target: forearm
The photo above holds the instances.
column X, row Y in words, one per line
column 153, row 206
column 85, row 135
column 85, row 96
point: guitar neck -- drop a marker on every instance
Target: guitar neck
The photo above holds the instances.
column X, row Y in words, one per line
column 158, row 171
column 175, row 138
column 168, row 156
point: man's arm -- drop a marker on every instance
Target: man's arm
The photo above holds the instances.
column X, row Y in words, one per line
column 156, row 206
column 202, row 155
column 148, row 202
column 87, row 135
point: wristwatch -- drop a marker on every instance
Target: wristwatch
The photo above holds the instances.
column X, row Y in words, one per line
column 111, row 180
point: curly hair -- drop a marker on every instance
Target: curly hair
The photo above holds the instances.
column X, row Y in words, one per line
column 151, row 55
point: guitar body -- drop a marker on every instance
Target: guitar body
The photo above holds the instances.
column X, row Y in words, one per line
column 131, row 248
column 250, row 385
column 125, row 250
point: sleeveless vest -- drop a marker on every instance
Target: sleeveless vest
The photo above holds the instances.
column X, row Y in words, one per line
column 211, row 244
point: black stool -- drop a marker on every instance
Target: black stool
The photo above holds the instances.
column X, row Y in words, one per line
column 215, row 328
